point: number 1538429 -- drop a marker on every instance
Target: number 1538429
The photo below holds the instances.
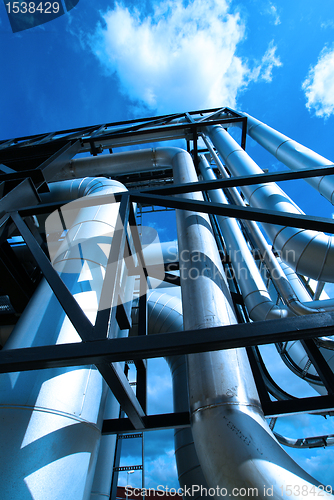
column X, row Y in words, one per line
column 32, row 7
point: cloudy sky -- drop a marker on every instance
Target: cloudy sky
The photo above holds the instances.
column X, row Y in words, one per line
column 106, row 61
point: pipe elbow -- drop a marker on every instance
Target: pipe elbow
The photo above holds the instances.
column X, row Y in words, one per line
column 308, row 253
column 166, row 155
column 266, row 310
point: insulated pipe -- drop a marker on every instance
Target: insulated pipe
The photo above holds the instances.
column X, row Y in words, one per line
column 255, row 294
column 292, row 154
column 294, row 349
column 292, row 292
column 164, row 316
column 308, row 442
column 144, row 160
column 236, row 448
column 229, row 418
column 51, row 419
column 105, row 460
column 307, row 252
column 296, row 284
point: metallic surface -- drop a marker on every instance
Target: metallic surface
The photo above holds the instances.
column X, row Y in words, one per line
column 53, row 417
column 255, row 294
column 234, row 444
column 292, row 154
column 307, row 252
column 164, row 316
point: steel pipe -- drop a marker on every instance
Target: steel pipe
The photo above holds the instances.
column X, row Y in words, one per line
column 292, row 154
column 51, row 419
column 307, row 252
column 235, row 446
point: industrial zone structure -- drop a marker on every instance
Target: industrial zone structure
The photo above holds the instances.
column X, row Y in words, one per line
column 81, row 295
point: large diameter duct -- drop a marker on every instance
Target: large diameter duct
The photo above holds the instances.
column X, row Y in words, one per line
column 307, row 252
column 236, row 448
column 292, row 290
column 255, row 294
column 51, row 419
column 286, row 280
column 292, row 154
column 232, row 438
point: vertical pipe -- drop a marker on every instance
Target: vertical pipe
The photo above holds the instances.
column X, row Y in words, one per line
column 236, row 448
column 51, row 419
column 255, row 294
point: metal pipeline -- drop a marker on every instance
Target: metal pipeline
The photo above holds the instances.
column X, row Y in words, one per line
column 143, row 160
column 292, row 154
column 235, row 446
column 293, row 355
column 255, row 294
column 286, row 280
column 51, row 419
column 307, row 252
column 164, row 316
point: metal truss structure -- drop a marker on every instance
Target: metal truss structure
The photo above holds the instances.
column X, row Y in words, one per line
column 27, row 165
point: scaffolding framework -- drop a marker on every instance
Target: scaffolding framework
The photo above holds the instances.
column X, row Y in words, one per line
column 29, row 163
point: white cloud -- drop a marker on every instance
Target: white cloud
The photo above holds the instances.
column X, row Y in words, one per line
column 269, row 61
column 180, row 57
column 273, row 11
column 319, row 85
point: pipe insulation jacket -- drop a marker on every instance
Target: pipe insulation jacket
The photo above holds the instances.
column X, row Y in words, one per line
column 51, row 419
column 164, row 316
column 255, row 294
column 292, row 154
column 286, row 280
column 234, row 444
column 307, row 252
column 260, row 462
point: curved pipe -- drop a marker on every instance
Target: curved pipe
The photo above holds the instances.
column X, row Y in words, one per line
column 231, row 436
column 307, row 252
column 53, row 417
column 294, row 355
column 164, row 316
column 143, row 160
column 279, row 270
column 255, row 294
column 292, row 154
column 308, row 442
column 232, row 439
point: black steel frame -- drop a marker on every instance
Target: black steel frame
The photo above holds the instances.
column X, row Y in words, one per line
column 31, row 157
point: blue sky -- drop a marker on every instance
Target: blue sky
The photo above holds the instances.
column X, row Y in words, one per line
column 106, row 61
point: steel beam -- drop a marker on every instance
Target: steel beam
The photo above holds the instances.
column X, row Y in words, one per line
column 244, row 180
column 152, row 422
column 161, row 345
column 267, row 216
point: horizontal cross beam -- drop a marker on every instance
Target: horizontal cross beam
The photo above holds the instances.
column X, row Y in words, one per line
column 168, row 344
column 245, row 180
column 247, row 213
